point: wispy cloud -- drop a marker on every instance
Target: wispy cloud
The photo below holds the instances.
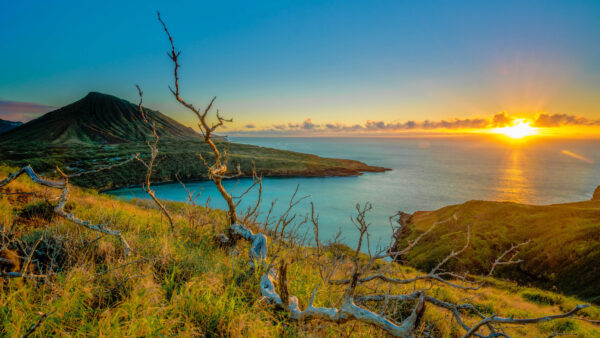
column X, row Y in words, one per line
column 22, row 111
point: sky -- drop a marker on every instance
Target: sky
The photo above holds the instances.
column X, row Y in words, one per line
column 290, row 67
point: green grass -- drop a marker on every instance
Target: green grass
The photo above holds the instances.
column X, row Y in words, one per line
column 181, row 284
column 564, row 253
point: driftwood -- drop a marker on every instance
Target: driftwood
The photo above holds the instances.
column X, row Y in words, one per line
column 63, row 198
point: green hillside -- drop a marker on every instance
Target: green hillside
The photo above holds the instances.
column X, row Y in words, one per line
column 102, row 129
column 564, row 253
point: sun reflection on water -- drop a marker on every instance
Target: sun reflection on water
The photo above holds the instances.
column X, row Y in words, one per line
column 513, row 184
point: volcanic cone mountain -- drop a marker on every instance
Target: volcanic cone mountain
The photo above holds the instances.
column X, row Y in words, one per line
column 96, row 119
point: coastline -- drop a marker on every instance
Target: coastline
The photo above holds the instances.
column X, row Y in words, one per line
column 326, row 172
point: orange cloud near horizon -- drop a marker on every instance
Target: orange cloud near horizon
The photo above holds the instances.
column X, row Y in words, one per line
column 543, row 123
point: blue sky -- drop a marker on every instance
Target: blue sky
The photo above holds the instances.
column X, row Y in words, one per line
column 281, row 62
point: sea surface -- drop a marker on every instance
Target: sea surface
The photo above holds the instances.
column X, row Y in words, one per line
column 427, row 174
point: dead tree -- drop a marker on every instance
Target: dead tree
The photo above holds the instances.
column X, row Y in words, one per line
column 63, row 198
column 354, row 304
column 149, row 164
column 217, row 171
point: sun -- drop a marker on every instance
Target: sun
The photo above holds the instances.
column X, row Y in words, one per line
column 520, row 128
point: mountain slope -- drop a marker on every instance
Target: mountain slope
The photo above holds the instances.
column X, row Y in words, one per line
column 564, row 253
column 103, row 130
column 96, row 119
column 8, row 125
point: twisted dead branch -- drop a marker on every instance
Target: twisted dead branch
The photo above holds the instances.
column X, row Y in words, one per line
column 349, row 310
column 218, row 170
column 63, row 199
column 150, row 163
column 353, row 304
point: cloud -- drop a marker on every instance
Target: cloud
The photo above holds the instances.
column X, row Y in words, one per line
column 427, row 124
column 306, row 125
column 498, row 120
column 557, row 120
column 22, row 111
column 502, row 120
column 250, row 126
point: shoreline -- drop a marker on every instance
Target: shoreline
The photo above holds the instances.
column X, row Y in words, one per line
column 355, row 173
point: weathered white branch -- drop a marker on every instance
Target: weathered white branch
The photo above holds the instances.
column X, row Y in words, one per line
column 258, row 249
column 59, row 209
column 387, row 279
column 349, row 309
column 34, row 177
column 509, row 320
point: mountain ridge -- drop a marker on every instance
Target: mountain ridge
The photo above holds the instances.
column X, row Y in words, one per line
column 97, row 118
column 6, row 125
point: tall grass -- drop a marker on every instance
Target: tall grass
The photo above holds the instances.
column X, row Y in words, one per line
column 182, row 284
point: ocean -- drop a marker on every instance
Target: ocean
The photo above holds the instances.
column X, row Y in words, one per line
column 427, row 174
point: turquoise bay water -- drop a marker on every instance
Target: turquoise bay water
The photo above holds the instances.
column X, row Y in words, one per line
column 427, row 173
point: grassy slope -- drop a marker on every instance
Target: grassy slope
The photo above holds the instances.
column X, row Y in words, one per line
column 180, row 283
column 564, row 253
column 176, row 156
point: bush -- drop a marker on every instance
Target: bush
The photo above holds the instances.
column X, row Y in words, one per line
column 40, row 209
column 542, row 298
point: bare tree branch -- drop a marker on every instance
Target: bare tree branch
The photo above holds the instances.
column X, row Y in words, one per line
column 218, row 170
column 150, row 163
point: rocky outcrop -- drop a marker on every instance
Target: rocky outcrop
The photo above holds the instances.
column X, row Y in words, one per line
column 596, row 196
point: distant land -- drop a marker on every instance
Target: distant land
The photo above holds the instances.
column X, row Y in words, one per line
column 8, row 125
column 101, row 129
column 563, row 255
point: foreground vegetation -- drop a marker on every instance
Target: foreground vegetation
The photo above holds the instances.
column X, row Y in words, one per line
column 183, row 283
column 564, row 252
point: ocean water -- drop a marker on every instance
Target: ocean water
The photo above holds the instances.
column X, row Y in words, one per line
column 427, row 173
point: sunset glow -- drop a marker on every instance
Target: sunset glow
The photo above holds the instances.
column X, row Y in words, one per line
column 520, row 129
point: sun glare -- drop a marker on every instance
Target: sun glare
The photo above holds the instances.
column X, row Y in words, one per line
column 520, row 128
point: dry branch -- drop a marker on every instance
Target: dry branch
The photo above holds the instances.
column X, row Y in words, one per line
column 351, row 308
column 150, row 163
column 218, row 170
column 59, row 209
